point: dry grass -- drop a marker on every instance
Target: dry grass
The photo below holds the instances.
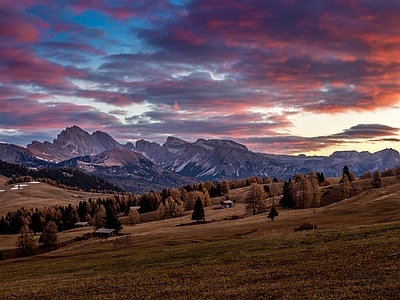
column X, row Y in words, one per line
column 354, row 254
column 352, row 263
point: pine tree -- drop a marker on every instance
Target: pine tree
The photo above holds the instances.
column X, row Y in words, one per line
column 37, row 223
column 346, row 172
column 273, row 213
column 112, row 221
column 287, row 200
column 198, row 210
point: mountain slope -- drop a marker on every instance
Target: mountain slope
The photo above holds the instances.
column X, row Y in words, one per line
column 213, row 159
column 202, row 160
column 129, row 169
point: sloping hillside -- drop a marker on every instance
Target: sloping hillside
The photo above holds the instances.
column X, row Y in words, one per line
column 32, row 195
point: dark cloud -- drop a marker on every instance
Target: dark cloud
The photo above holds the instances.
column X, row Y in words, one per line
column 368, row 131
column 202, row 68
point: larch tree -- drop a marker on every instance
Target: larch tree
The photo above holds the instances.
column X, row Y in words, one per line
column 134, row 217
column 376, row 179
column 49, row 235
column 274, row 191
column 316, row 192
column 206, row 198
column 99, row 216
column 160, row 212
column 173, row 208
column 26, row 242
column 345, row 190
column 256, row 200
column 304, row 191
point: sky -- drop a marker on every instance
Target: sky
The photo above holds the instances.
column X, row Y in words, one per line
column 281, row 77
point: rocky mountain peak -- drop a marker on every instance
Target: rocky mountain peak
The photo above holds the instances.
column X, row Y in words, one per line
column 174, row 142
column 72, row 142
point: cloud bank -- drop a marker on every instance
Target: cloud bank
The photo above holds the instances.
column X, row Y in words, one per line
column 245, row 70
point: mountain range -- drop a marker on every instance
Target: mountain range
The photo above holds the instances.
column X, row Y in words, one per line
column 144, row 165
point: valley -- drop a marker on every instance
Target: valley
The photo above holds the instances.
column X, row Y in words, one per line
column 353, row 254
column 351, row 250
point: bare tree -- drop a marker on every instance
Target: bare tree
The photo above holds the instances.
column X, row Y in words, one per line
column 274, row 191
column 316, row 190
column 26, row 242
column 256, row 200
column 305, row 192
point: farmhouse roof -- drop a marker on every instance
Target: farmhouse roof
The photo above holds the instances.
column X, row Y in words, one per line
column 81, row 224
column 105, row 230
column 227, row 202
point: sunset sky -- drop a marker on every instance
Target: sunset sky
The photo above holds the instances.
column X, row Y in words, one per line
column 283, row 77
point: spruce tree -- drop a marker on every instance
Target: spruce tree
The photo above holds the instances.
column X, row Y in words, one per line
column 37, row 223
column 112, row 221
column 287, row 200
column 273, row 213
column 346, row 172
column 198, row 210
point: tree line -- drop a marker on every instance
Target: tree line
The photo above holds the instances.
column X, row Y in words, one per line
column 66, row 178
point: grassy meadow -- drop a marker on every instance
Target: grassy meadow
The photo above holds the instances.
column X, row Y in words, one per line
column 353, row 254
column 32, row 195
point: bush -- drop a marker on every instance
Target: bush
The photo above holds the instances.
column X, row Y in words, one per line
column 306, row 226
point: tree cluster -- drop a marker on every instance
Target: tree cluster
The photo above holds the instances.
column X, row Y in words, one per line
column 302, row 191
column 64, row 216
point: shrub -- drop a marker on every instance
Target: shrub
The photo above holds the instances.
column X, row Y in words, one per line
column 306, row 226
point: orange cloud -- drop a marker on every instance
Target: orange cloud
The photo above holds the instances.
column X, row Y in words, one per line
column 176, row 106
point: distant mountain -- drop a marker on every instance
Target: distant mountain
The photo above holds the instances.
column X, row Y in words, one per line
column 18, row 155
column 147, row 165
column 358, row 162
column 224, row 159
column 73, row 142
column 131, row 170
column 213, row 159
